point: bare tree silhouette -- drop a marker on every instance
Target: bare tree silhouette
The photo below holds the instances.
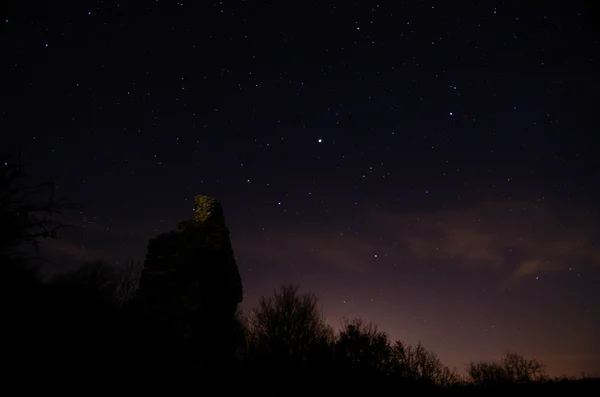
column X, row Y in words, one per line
column 28, row 212
column 98, row 279
column 127, row 282
column 511, row 369
column 414, row 362
column 287, row 325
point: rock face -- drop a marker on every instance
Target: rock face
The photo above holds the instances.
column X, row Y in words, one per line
column 190, row 282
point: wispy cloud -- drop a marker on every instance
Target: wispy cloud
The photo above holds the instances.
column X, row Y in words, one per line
column 516, row 239
column 523, row 239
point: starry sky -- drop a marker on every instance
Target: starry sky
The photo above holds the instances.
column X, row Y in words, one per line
column 427, row 166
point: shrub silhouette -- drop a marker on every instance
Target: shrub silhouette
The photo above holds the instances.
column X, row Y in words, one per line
column 415, row 363
column 511, row 369
column 99, row 280
column 95, row 279
column 362, row 348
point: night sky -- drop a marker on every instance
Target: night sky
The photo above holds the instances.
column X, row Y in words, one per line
column 429, row 167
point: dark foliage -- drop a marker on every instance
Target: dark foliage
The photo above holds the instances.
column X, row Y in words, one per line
column 102, row 282
column 362, row 349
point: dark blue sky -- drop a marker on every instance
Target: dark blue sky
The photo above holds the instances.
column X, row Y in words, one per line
column 430, row 167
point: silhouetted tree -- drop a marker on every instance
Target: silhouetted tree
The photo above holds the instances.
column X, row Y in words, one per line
column 99, row 280
column 361, row 347
column 415, row 363
column 28, row 213
column 288, row 327
column 511, row 369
